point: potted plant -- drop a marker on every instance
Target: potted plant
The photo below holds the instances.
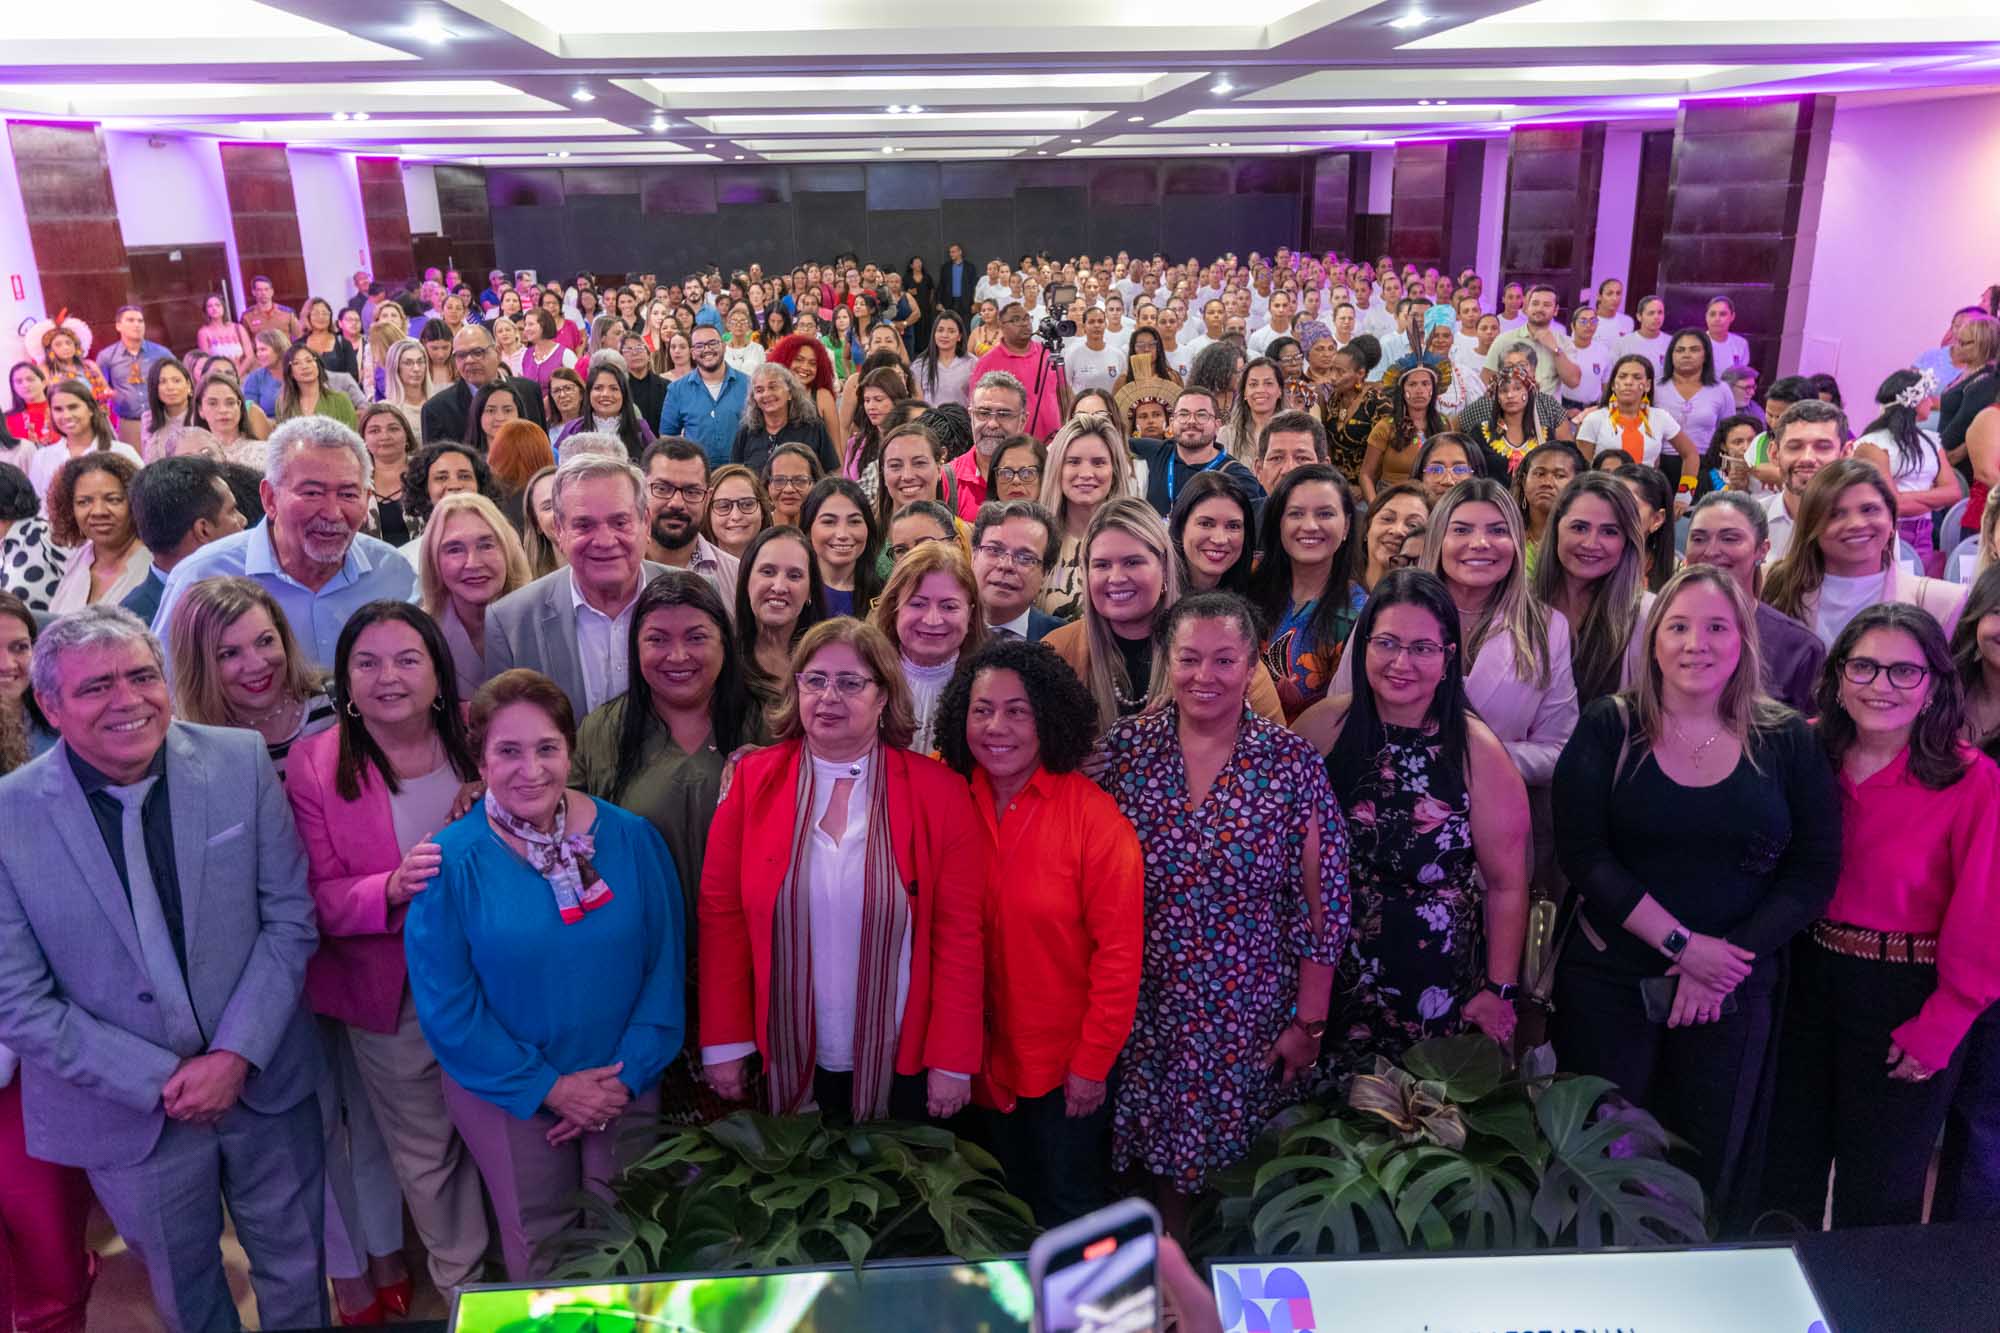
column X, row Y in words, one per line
column 1451, row 1150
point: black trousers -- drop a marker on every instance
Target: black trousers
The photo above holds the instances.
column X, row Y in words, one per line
column 1836, row 1105
column 909, row 1095
column 1054, row 1163
column 1968, row 1187
column 1708, row 1084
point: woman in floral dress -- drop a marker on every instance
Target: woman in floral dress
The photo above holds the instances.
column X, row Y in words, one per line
column 1246, row 907
column 1434, row 806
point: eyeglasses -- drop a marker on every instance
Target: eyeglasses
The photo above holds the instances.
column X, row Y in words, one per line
column 1021, row 559
column 666, row 490
column 1456, row 471
column 1198, row 418
column 790, row 483
column 996, row 415
column 467, row 353
column 723, row 508
column 1422, row 651
column 847, row 684
column 1902, row 675
column 1030, row 473
column 901, row 549
column 703, row 344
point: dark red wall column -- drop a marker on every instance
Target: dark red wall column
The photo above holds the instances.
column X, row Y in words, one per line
column 1550, row 229
column 72, row 222
column 387, row 214
column 265, row 214
column 466, row 219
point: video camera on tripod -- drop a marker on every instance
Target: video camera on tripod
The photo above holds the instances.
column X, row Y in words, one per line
column 1054, row 328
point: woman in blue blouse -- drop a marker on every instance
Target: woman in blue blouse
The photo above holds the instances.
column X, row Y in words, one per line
column 546, row 965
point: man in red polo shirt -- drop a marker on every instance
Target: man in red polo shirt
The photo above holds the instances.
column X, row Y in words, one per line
column 1028, row 361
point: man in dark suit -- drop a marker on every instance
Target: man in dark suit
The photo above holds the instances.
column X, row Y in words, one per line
column 447, row 410
column 179, row 505
column 1013, row 544
column 154, row 933
column 956, row 279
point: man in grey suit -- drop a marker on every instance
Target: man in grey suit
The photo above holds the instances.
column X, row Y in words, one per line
column 154, row 931
column 573, row 626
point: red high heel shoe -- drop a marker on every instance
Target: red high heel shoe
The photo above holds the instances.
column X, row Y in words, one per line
column 397, row 1296
column 369, row 1316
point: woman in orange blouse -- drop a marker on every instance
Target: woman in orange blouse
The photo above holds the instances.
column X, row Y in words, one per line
column 1064, row 916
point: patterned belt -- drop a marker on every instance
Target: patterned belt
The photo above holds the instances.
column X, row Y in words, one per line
column 1882, row 946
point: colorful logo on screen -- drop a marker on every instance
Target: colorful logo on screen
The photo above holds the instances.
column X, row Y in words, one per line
column 1263, row 1300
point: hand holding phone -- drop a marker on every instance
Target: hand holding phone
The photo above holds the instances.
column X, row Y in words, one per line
column 1100, row 1273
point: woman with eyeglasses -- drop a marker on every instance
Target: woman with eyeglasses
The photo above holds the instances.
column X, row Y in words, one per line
column 1701, row 833
column 1437, row 826
column 1087, row 467
column 738, row 508
column 1902, row 963
column 789, row 475
column 1016, row 469
column 852, row 959
column 1443, row 462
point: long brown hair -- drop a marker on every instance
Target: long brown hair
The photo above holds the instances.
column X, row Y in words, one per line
column 1800, row 572
column 209, row 607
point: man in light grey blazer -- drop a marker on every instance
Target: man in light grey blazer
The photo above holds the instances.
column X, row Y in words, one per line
column 154, row 931
column 573, row 626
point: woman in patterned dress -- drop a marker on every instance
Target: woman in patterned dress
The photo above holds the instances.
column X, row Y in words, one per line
column 1434, row 806
column 1246, row 907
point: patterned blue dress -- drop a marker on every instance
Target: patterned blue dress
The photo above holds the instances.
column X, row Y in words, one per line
column 1227, row 926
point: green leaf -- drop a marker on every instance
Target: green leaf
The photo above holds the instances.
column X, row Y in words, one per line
column 1325, row 1213
column 1467, row 1067
column 1590, row 1197
column 1512, row 1122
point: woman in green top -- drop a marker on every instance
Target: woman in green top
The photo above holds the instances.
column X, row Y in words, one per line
column 305, row 392
column 658, row 751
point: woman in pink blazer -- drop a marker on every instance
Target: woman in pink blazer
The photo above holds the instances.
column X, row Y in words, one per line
column 368, row 797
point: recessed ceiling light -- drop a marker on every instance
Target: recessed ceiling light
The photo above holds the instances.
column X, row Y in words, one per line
column 1423, row 101
column 361, row 115
column 1416, row 18
column 896, row 110
column 1443, row 101
column 563, row 153
column 1041, row 152
column 430, row 30
column 1076, row 141
column 583, row 95
column 888, row 148
column 1221, row 86
column 1133, row 120
column 708, row 145
column 739, row 157
column 916, row 110
column 340, row 115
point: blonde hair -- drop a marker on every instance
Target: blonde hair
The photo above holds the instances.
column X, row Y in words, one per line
column 544, row 557
column 205, row 611
column 930, row 558
column 391, row 326
column 1511, row 607
column 392, row 387
column 899, row 715
column 1094, row 426
column 431, row 583
column 1743, row 706
column 1105, row 671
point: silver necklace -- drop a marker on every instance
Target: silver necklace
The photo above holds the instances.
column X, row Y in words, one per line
column 1696, row 751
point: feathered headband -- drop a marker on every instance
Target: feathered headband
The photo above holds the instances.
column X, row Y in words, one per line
column 1926, row 384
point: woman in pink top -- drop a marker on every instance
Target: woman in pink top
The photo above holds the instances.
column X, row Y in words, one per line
column 1908, row 955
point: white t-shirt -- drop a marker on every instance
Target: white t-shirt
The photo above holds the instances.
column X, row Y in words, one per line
column 1843, row 597
column 1781, row 524
column 1180, row 357
column 1732, row 351
column 1653, row 349
column 1594, row 363
column 1610, row 329
column 1513, row 321
column 1192, row 346
column 1918, row 478
column 1089, row 369
column 1265, row 336
column 745, row 358
column 1601, row 432
column 1376, row 319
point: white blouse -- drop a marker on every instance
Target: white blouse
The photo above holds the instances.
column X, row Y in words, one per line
column 926, row 688
column 835, row 874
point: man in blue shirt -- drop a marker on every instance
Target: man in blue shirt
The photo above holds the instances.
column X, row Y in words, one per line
column 707, row 406
column 308, row 552
column 125, row 364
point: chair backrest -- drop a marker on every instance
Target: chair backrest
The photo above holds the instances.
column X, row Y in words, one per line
column 1962, row 565
column 1907, row 557
column 1681, row 526
column 1952, row 527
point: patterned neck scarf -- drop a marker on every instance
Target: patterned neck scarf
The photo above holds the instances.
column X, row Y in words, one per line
column 562, row 858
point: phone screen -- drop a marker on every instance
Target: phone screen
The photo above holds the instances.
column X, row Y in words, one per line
column 1106, row 1284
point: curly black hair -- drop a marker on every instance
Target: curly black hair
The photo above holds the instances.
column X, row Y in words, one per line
column 417, row 472
column 1065, row 712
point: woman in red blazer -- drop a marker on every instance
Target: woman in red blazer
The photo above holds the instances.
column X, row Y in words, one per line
column 843, row 861
column 367, row 797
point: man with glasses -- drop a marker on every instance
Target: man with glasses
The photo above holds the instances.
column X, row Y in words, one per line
column 478, row 362
column 1172, row 464
column 1013, row 545
column 676, row 503
column 707, row 406
column 1018, row 354
column 999, row 413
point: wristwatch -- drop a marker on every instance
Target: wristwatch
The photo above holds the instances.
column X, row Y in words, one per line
column 1506, row 990
column 1676, row 940
column 1314, row 1028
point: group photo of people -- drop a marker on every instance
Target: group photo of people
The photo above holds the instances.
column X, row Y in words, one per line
column 458, row 731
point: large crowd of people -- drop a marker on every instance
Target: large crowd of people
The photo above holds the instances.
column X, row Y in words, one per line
column 1088, row 704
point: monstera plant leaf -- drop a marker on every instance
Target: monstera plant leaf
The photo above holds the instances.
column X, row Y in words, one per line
column 1465, row 1068
column 1603, row 1185
column 1324, row 1210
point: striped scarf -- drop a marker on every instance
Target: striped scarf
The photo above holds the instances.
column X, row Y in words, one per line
column 794, row 1039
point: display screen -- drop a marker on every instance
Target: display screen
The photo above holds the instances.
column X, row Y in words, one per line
column 890, row 1298
column 1747, row 1289
column 1106, row 1285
